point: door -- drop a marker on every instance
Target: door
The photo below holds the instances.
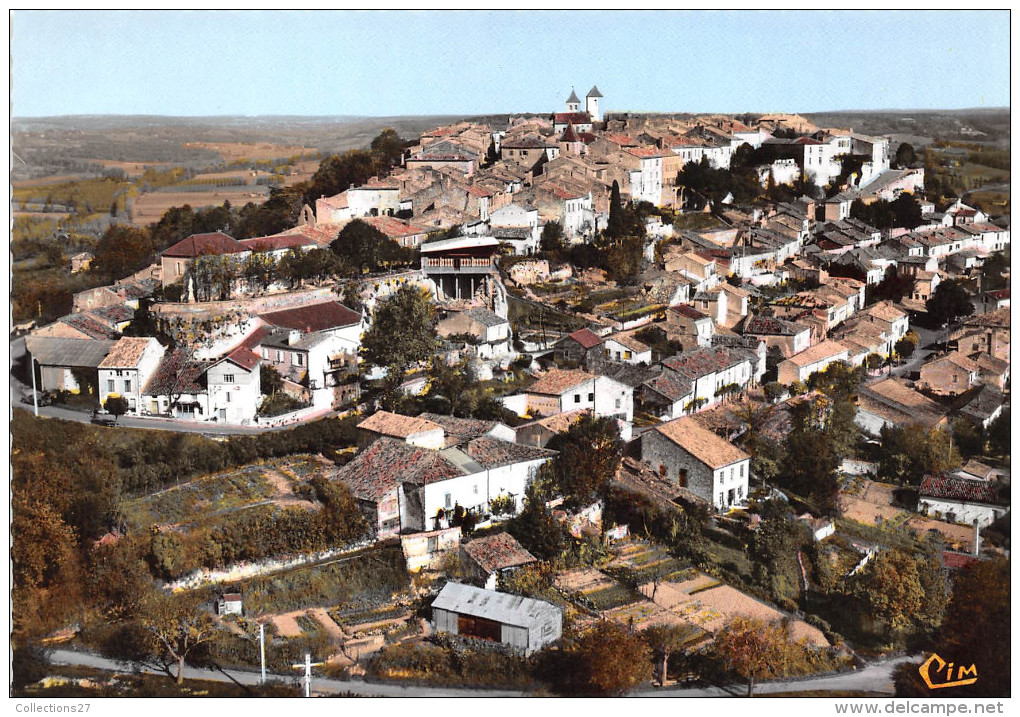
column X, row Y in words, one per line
column 223, row 414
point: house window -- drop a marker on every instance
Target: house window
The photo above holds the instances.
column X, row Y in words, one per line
column 619, row 403
column 228, row 378
column 591, row 396
column 577, row 398
column 627, row 355
column 433, row 546
column 127, row 385
column 475, row 488
column 279, row 355
column 110, row 385
column 741, row 470
column 228, row 397
column 448, row 500
column 299, row 359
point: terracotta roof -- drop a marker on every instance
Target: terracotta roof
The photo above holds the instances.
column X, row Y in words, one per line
column 909, row 405
column 955, row 561
column 558, row 422
column 952, row 487
column 388, row 462
column 491, row 452
column 243, row 357
column 460, row 430
column 394, row 228
column 271, row 243
column 705, row 360
column 760, row 325
column 586, row 337
column 569, row 135
column 176, row 373
column 125, row 353
column 572, row 117
column 689, row 311
column 497, row 552
column 201, row 244
column 396, row 425
column 630, row 342
column 884, row 310
column 991, row 364
column 957, row 359
column 993, row 319
column 824, row 350
column 701, row 443
column 314, row 317
column 558, row 381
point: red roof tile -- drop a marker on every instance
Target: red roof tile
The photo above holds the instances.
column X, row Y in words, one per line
column 314, row 317
column 202, row 244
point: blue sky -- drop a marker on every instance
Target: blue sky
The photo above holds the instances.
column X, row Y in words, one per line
column 398, row 63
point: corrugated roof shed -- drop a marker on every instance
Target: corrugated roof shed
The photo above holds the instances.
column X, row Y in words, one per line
column 491, row 605
column 79, row 353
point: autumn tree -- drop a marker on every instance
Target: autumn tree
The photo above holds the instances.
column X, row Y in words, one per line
column 614, row 229
column 121, row 251
column 900, row 590
column 750, row 648
column 666, row 640
column 388, row 147
column 177, row 626
column 403, row 330
column 606, row 660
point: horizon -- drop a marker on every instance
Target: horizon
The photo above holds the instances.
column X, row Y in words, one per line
column 224, row 63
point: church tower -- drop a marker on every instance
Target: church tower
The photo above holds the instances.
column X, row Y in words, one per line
column 573, row 103
column 591, row 103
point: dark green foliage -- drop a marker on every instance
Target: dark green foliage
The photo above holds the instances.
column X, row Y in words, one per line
column 949, row 302
column 905, row 155
column 909, row 453
column 904, row 211
column 969, row 438
column 116, row 405
column 614, row 229
column 537, row 530
column 999, row 434
column 403, row 330
column 363, row 248
column 893, row 287
column 589, row 454
column 388, row 147
column 552, row 237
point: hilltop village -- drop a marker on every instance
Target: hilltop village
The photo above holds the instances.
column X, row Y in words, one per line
column 604, row 394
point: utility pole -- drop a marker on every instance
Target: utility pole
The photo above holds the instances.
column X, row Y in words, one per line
column 262, row 650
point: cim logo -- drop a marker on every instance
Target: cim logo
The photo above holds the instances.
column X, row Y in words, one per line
column 936, row 679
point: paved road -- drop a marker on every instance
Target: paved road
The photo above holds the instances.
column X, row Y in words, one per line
column 20, row 391
column 244, row 677
column 876, row 677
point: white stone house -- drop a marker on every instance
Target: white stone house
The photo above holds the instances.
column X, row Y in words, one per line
column 562, row 390
column 695, row 458
column 961, row 500
column 126, row 369
column 235, row 387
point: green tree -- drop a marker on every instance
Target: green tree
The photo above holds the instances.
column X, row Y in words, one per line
column 999, row 434
column 614, row 229
column 337, row 173
column 270, row 380
column 535, row 528
column 589, row 455
column 969, row 438
column 949, row 302
column 750, row 648
column 891, row 589
column 552, row 237
column 365, row 248
column 177, row 627
column 388, row 147
column 909, row 453
column 403, row 330
column 905, row 155
column 116, row 405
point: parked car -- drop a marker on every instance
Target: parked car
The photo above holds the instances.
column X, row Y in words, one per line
column 102, row 418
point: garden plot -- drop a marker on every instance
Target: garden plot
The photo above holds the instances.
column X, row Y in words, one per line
column 225, row 492
column 595, row 590
column 875, row 506
column 643, row 561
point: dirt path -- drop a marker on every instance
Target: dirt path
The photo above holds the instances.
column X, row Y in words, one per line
column 279, row 482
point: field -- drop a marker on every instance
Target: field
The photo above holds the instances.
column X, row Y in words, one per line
column 149, row 208
column 242, row 151
column 130, row 169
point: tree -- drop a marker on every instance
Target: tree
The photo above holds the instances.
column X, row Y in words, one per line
column 890, row 589
column 589, row 454
column 552, row 237
column 364, row 248
column 177, row 626
column 909, row 453
column 905, row 155
column 949, row 302
column 121, row 251
column 905, row 347
column 609, row 660
column 614, row 229
column 999, row 434
column 666, row 640
column 388, row 147
column 116, row 405
column 403, row 330
column 337, row 173
column 270, row 380
column 534, row 527
column 969, row 438
column 750, row 648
